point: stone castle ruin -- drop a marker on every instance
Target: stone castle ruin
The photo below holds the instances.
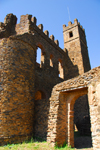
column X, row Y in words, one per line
column 46, row 100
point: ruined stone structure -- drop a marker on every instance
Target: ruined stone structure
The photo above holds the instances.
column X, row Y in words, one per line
column 29, row 104
column 61, row 114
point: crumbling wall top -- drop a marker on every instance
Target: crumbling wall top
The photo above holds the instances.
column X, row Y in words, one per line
column 81, row 81
column 27, row 25
column 9, row 24
column 10, row 19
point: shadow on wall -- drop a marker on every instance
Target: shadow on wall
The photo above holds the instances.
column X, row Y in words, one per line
column 72, row 70
column 41, row 111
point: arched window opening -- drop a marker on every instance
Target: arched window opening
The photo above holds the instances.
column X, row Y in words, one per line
column 40, row 95
column 51, row 60
column 60, row 69
column 40, row 57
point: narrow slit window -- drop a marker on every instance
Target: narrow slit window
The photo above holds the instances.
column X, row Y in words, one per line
column 60, row 69
column 51, row 60
column 71, row 34
column 40, row 57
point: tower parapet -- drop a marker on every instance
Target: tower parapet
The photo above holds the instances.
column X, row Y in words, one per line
column 72, row 25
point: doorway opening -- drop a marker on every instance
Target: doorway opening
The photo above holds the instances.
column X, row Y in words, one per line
column 82, row 125
column 68, row 99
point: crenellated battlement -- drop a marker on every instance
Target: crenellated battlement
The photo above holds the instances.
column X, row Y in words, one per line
column 9, row 24
column 28, row 24
column 46, row 33
column 72, row 25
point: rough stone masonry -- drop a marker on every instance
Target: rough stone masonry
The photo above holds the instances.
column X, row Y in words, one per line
column 26, row 86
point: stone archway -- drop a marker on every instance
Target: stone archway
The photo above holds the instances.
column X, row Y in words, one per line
column 70, row 98
column 64, row 95
column 62, row 125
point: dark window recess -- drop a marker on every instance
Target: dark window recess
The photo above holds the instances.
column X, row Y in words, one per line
column 71, row 34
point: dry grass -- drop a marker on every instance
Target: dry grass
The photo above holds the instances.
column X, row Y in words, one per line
column 33, row 145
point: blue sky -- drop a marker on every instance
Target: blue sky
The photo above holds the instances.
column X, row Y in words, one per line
column 54, row 13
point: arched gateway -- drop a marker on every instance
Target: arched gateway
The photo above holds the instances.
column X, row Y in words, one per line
column 61, row 114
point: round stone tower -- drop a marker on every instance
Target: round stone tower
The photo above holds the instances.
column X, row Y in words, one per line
column 16, row 90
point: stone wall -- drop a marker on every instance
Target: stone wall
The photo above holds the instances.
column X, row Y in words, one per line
column 22, row 77
column 94, row 103
column 41, row 118
column 66, row 93
column 16, row 90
